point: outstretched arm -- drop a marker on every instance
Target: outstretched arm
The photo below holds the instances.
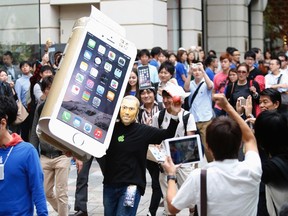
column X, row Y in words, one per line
column 247, row 135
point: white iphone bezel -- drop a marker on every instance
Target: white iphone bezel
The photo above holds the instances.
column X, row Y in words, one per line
column 70, row 134
column 185, row 138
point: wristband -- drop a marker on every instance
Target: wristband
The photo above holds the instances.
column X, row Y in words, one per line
column 171, row 177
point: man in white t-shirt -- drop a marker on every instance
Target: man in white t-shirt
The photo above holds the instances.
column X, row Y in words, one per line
column 169, row 91
column 232, row 186
column 276, row 79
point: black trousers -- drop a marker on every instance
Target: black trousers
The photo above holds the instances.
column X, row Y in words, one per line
column 81, row 193
column 153, row 169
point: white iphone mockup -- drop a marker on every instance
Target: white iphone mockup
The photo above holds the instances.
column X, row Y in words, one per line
column 88, row 102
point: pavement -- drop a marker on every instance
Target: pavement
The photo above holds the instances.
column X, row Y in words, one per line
column 95, row 189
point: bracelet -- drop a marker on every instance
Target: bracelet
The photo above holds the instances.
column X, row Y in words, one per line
column 171, row 177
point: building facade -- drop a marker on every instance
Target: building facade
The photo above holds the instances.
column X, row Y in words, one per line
column 212, row 24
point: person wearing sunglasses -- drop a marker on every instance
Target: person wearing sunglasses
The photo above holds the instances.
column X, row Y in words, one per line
column 242, row 88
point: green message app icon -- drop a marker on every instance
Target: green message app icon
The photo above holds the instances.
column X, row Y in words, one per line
column 66, row 116
column 91, row 43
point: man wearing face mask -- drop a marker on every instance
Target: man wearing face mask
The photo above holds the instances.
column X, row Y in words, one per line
column 125, row 167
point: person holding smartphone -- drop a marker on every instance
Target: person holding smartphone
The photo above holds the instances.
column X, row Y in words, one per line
column 5, row 87
column 242, row 88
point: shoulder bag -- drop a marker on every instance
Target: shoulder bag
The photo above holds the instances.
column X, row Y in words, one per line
column 22, row 113
column 284, row 95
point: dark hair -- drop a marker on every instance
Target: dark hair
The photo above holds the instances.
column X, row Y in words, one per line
column 282, row 54
column 149, row 89
column 212, row 51
column 45, row 68
column 4, row 70
column 209, row 60
column 8, row 53
column 155, row 51
column 223, row 136
column 164, row 52
column 250, row 53
column 180, row 52
column 256, row 49
column 271, row 132
column 22, row 63
column 57, row 57
column 230, row 50
column 46, row 82
column 168, row 65
column 172, row 54
column 273, row 94
column 277, row 60
column 144, row 52
column 8, row 109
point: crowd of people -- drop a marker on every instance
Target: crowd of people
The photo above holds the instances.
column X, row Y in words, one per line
column 238, row 108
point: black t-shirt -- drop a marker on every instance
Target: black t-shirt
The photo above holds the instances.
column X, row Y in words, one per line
column 125, row 159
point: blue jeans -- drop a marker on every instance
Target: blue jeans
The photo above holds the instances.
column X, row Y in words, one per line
column 113, row 199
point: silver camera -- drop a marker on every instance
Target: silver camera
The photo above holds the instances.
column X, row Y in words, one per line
column 194, row 65
column 1, row 171
column 243, row 102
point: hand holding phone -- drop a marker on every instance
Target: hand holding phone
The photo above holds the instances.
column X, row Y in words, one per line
column 194, row 66
column 242, row 101
column 9, row 80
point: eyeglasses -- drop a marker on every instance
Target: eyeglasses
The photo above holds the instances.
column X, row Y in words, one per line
column 241, row 71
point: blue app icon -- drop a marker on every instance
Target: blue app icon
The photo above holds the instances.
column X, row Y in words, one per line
column 87, row 54
column 87, row 128
column 100, row 89
column 118, row 73
column 77, row 122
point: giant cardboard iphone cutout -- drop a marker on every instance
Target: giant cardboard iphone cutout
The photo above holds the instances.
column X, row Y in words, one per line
column 85, row 97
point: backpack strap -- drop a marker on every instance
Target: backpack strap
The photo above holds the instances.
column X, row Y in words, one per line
column 161, row 117
column 160, row 106
column 184, row 118
column 140, row 115
column 185, row 121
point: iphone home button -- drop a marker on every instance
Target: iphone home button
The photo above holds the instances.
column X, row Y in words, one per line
column 78, row 139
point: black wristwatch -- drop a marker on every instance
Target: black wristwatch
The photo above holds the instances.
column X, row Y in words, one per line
column 171, row 177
